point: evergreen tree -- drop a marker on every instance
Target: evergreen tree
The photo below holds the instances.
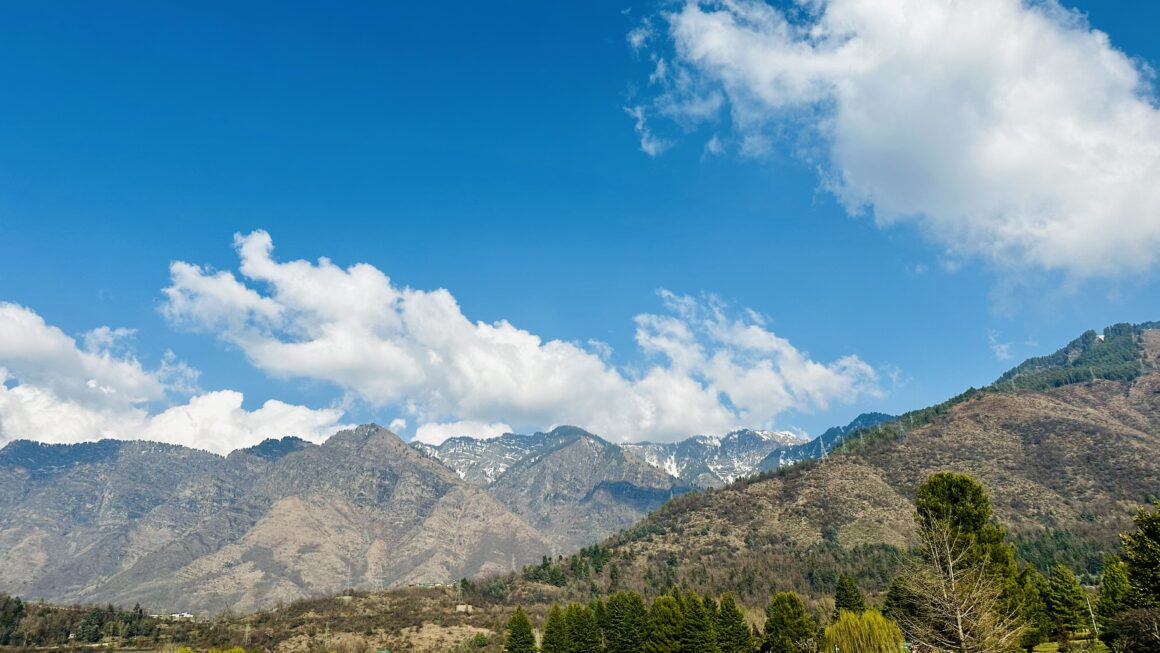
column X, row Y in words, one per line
column 89, row 630
column 11, row 612
column 555, row 638
column 600, row 610
column 1142, row 557
column 627, row 623
column 664, row 626
column 698, row 632
column 848, row 597
column 863, row 632
column 969, row 593
column 787, row 624
column 1115, row 591
column 711, row 608
column 520, row 638
column 1065, row 601
column 583, row 632
column 733, row 634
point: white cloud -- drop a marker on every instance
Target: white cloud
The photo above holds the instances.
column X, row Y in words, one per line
column 708, row 371
column 1007, row 130
column 650, row 144
column 640, row 35
column 1001, row 349
column 53, row 390
column 714, row 146
column 436, row 433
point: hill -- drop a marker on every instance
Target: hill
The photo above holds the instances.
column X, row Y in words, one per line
column 1066, row 466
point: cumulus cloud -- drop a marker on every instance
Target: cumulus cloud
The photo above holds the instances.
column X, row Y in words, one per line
column 707, row 370
column 53, row 389
column 1006, row 130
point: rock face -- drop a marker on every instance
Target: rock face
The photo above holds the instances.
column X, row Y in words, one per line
column 712, row 461
column 819, row 446
column 481, row 461
column 577, row 486
column 179, row 529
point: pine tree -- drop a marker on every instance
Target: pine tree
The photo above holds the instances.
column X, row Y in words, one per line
column 583, row 632
column 1142, row 557
column 863, row 632
column 848, row 597
column 555, row 638
column 1065, row 601
column 968, row 590
column 733, row 634
column 520, row 638
column 664, row 626
column 698, row 632
column 712, row 608
column 627, row 623
column 787, row 624
column 600, row 611
column 1115, row 591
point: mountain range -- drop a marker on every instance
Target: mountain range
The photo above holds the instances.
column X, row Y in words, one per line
column 1065, row 443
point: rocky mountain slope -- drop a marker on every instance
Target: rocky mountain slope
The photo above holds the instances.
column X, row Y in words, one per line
column 579, row 485
column 713, row 461
column 179, row 529
column 1066, row 465
column 480, row 461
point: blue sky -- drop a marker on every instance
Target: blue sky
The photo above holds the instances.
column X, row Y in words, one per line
column 489, row 150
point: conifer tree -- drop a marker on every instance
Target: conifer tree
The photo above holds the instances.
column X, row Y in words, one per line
column 969, row 593
column 1115, row 591
column 600, row 611
column 698, row 632
column 664, row 626
column 627, row 623
column 733, row 634
column 1065, row 601
column 863, row 632
column 583, row 632
column 848, row 597
column 555, row 638
column 520, row 638
column 712, row 608
column 787, row 624
column 1142, row 557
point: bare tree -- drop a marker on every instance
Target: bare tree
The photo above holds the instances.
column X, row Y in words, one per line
column 957, row 601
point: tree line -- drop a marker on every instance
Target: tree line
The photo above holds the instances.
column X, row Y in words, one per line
column 964, row 590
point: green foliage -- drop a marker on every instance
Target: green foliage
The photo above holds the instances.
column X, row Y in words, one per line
column 1117, row 357
column 787, row 624
column 1137, row 631
column 863, row 632
column 1115, row 591
column 1065, row 601
column 11, row 611
column 698, row 630
column 627, row 623
column 733, row 634
column 520, row 638
column 665, row 623
column 847, row 596
column 555, row 638
column 89, row 630
column 583, row 631
column 1043, row 549
column 1142, row 557
column 546, row 573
